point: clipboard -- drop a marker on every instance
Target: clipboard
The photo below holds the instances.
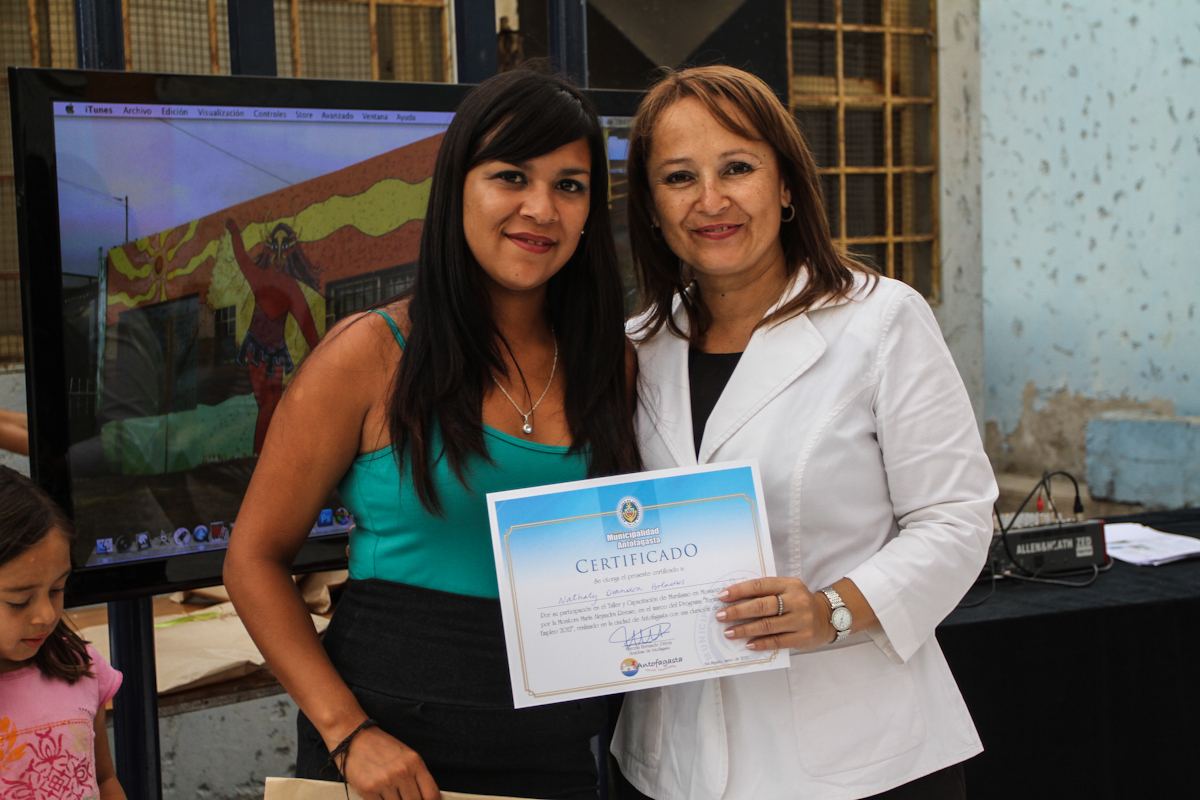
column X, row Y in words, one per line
column 303, row 789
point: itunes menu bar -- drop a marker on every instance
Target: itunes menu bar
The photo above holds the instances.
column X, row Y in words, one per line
column 157, row 111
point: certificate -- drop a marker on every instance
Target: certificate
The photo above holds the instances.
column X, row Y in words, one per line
column 610, row 584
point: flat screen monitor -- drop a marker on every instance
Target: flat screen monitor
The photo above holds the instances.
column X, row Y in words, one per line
column 185, row 241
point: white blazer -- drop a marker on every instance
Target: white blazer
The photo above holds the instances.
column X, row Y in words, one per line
column 872, row 469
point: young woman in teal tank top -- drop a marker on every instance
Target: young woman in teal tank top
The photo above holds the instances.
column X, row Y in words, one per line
column 504, row 366
column 398, row 539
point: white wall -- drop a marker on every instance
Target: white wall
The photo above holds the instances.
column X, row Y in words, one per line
column 1091, row 228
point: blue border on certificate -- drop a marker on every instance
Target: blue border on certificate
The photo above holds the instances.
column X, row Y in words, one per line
column 649, row 527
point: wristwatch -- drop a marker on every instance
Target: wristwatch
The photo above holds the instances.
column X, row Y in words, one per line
column 841, row 619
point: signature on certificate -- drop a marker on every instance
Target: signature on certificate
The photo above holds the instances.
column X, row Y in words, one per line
column 642, row 636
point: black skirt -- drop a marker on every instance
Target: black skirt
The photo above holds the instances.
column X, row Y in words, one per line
column 430, row 667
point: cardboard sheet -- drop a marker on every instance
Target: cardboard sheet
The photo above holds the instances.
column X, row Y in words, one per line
column 300, row 789
column 316, row 588
column 197, row 649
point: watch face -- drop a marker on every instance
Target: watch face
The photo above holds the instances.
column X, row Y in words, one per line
column 841, row 619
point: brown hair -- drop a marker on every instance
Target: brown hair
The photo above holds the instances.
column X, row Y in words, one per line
column 745, row 105
column 27, row 516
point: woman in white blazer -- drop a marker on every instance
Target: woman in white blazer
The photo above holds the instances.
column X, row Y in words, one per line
column 763, row 340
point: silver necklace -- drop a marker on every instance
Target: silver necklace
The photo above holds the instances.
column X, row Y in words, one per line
column 528, row 426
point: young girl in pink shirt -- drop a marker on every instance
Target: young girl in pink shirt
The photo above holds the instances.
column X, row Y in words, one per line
column 53, row 685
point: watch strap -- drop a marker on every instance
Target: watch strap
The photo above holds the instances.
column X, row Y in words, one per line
column 835, row 602
column 835, row 599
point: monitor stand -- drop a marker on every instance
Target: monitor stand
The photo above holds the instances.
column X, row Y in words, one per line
column 135, row 708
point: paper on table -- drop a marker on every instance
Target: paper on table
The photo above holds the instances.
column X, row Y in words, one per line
column 316, row 588
column 301, row 789
column 197, row 649
column 1137, row 544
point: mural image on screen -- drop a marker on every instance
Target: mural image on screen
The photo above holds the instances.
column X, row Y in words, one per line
column 193, row 329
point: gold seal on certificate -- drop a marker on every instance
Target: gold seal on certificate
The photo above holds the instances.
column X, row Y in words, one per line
column 610, row 585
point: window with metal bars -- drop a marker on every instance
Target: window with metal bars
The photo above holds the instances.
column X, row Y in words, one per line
column 398, row 40
column 225, row 335
column 344, row 297
column 404, row 40
column 864, row 94
column 33, row 33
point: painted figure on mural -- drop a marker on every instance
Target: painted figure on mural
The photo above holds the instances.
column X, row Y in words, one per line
column 274, row 275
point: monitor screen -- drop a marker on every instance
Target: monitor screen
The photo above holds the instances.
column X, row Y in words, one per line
column 207, row 232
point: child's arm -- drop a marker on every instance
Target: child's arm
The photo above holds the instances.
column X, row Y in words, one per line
column 14, row 438
column 106, row 774
column 17, row 418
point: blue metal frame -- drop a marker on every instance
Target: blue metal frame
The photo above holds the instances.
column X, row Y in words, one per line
column 567, row 25
column 252, row 37
column 475, row 40
column 99, row 39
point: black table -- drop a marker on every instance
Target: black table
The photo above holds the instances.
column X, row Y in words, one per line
column 1085, row 693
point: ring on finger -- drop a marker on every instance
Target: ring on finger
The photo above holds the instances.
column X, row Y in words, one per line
column 779, row 597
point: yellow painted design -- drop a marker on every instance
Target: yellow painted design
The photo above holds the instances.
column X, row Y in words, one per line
column 191, row 231
column 296, row 344
column 379, row 210
column 229, row 287
column 155, row 247
column 123, row 265
column 316, row 304
column 122, row 297
column 208, row 252
column 144, row 244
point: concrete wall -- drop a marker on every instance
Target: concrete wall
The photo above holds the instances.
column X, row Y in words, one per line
column 1145, row 458
column 227, row 753
column 1091, row 228
column 960, row 312
column 12, row 398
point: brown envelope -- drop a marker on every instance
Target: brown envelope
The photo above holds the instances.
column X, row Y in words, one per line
column 300, row 789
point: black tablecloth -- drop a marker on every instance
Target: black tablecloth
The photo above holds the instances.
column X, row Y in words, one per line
column 1089, row 693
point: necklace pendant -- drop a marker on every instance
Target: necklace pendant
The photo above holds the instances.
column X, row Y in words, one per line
column 527, row 428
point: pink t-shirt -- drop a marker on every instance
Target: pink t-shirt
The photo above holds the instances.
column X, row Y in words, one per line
column 47, row 738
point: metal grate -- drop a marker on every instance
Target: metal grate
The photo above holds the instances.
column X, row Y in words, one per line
column 12, row 346
column 335, row 40
column 25, row 40
column 863, row 93
column 402, row 40
column 190, row 36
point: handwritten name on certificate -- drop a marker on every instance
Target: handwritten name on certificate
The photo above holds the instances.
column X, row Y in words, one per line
column 610, row 584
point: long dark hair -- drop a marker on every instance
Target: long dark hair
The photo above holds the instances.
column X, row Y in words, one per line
column 757, row 115
column 453, row 347
column 27, row 516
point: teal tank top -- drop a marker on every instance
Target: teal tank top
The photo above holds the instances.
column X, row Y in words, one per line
column 397, row 539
